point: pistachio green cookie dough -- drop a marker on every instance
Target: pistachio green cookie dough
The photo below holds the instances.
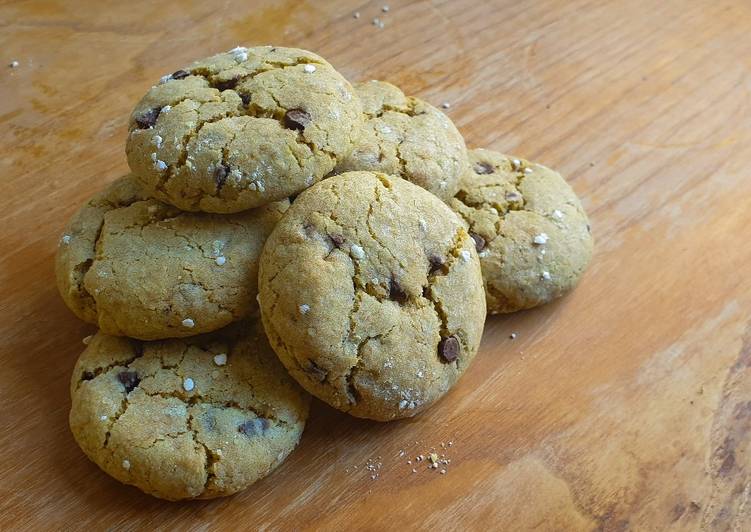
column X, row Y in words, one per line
column 138, row 267
column 243, row 128
column 532, row 234
column 371, row 295
column 407, row 137
column 186, row 418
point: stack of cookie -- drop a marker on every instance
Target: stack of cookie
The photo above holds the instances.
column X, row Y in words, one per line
column 284, row 232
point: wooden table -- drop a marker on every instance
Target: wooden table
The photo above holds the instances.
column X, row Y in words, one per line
column 626, row 405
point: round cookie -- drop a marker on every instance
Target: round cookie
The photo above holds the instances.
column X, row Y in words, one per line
column 138, row 267
column 407, row 137
column 532, row 234
column 243, row 128
column 371, row 295
column 186, row 418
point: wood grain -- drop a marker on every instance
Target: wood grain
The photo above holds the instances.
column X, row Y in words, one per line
column 626, row 405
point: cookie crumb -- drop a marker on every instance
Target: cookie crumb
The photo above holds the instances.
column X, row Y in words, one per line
column 158, row 141
column 220, row 359
column 516, row 163
column 528, row 170
column 540, row 239
column 557, row 214
column 414, row 470
column 443, row 471
column 188, row 384
column 446, row 105
column 466, row 255
column 385, row 9
column 220, row 260
column 14, row 64
column 423, row 224
column 512, row 336
column 309, row 68
column 356, row 15
column 103, row 418
column 189, row 323
column 419, row 374
column 357, row 251
column 546, row 275
column 87, row 339
column 65, row 239
column 378, row 23
column 126, row 464
column 304, row 309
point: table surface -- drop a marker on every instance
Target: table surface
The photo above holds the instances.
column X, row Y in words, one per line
column 626, row 405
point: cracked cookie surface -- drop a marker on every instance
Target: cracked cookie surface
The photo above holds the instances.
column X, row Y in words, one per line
column 531, row 232
column 243, row 128
column 186, row 418
column 371, row 295
column 139, row 267
column 409, row 138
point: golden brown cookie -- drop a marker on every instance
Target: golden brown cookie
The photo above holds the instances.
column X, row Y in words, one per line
column 532, row 234
column 138, row 267
column 409, row 138
column 371, row 295
column 243, row 128
column 192, row 418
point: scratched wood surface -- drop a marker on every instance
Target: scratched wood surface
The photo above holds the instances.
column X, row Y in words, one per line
column 626, row 405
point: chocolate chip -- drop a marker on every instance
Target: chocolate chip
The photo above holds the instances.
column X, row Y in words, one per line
column 316, row 371
column 483, row 168
column 479, row 241
column 426, row 292
column 226, row 84
column 448, row 349
column 338, row 240
column 254, row 427
column 296, row 119
column 396, row 293
column 245, row 98
column 180, row 74
column 129, row 379
column 148, row 118
column 87, row 376
column 220, row 175
column 436, row 263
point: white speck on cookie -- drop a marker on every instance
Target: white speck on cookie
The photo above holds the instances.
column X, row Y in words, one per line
column 189, row 323
column 484, row 253
column 103, row 418
column 220, row 359
column 546, row 275
column 466, row 255
column 220, row 260
column 423, row 224
column 304, row 309
column 188, row 384
column 357, row 251
column 166, row 109
column 420, row 374
column 160, row 165
column 126, row 464
column 158, row 141
column 164, row 79
column 403, row 404
column 309, row 68
column 65, row 239
column 540, row 239
column 442, row 185
column 515, row 163
column 239, row 53
column 557, row 214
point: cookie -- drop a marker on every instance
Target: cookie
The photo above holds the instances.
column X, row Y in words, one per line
column 532, row 234
column 186, row 418
column 407, row 137
column 243, row 128
column 138, row 267
column 371, row 295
